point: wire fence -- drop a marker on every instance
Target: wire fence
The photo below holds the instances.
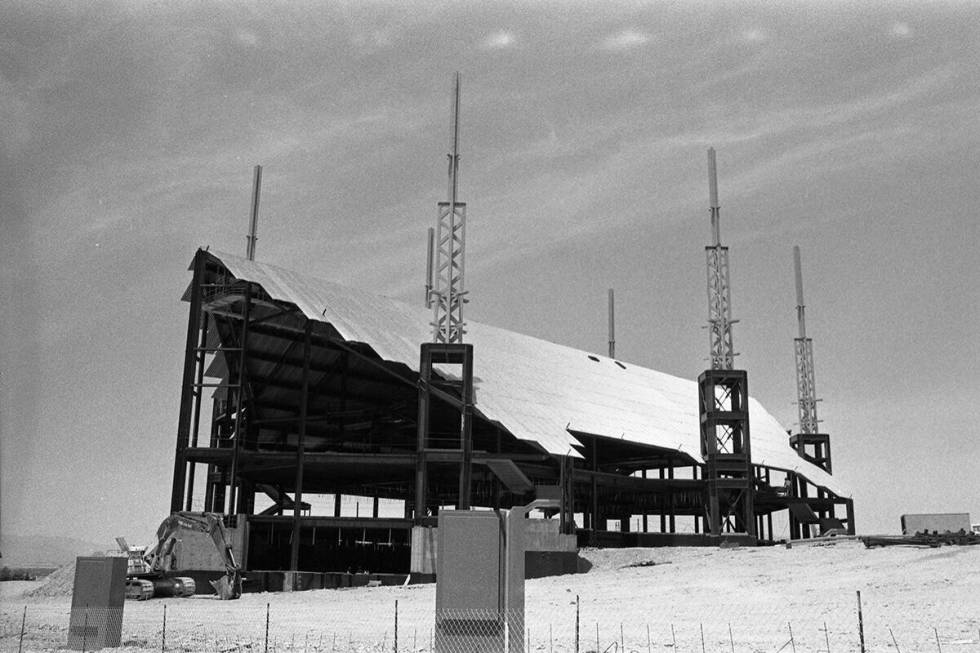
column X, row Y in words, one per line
column 343, row 622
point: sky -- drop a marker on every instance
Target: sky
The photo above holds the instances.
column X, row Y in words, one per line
column 129, row 132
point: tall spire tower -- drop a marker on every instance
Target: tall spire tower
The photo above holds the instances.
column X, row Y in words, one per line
column 448, row 295
column 719, row 288
column 809, row 442
column 723, row 394
column 806, row 392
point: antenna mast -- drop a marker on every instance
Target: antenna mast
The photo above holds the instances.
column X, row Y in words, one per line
column 806, row 391
column 612, row 325
column 430, row 243
column 448, row 295
column 253, row 226
column 719, row 289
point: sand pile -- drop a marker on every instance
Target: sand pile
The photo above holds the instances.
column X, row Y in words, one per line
column 60, row 582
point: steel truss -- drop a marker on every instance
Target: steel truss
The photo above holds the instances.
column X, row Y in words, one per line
column 448, row 294
column 722, row 351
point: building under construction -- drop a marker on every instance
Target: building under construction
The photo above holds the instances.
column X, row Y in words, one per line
column 294, row 386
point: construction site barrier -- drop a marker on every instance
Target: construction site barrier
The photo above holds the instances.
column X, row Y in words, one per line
column 345, row 621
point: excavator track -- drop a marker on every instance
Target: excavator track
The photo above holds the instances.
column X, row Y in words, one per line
column 139, row 589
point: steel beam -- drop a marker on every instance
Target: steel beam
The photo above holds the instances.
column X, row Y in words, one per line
column 187, row 386
column 298, row 491
column 199, row 357
column 233, row 502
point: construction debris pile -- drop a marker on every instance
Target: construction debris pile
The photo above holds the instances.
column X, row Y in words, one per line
column 933, row 539
column 60, row 582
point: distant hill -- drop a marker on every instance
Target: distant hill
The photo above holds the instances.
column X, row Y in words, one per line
column 44, row 550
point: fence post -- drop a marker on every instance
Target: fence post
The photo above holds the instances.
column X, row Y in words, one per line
column 860, row 622
column 163, row 632
column 396, row 625
column 898, row 650
column 938, row 645
column 23, row 625
column 266, row 628
column 731, row 637
column 576, row 622
column 791, row 640
column 622, row 639
column 648, row 639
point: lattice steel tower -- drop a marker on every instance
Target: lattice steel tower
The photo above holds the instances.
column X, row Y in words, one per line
column 806, row 392
column 719, row 288
column 448, row 295
column 809, row 443
column 724, row 399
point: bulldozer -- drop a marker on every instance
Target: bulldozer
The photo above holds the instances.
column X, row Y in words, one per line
column 150, row 572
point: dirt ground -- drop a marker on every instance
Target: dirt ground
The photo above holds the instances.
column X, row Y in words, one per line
column 768, row 599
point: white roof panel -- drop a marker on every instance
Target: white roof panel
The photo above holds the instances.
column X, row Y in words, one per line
column 538, row 390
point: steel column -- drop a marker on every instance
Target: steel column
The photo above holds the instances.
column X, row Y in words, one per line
column 233, row 500
column 198, row 400
column 303, row 413
column 422, row 434
column 466, row 431
column 187, row 386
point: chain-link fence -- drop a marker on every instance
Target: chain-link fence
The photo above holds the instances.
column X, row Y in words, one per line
column 339, row 621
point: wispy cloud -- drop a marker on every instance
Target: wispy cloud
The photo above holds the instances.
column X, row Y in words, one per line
column 755, row 35
column 625, row 40
column 499, row 40
column 900, row 30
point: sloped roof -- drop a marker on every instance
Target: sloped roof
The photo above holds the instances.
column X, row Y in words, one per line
column 538, row 390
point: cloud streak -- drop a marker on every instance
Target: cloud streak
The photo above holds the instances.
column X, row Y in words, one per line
column 626, row 39
column 501, row 40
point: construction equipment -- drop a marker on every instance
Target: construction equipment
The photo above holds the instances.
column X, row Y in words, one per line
column 151, row 573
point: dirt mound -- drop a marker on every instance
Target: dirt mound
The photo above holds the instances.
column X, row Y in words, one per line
column 60, row 582
column 608, row 559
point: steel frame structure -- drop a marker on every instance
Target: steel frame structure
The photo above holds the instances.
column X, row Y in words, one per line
column 298, row 412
